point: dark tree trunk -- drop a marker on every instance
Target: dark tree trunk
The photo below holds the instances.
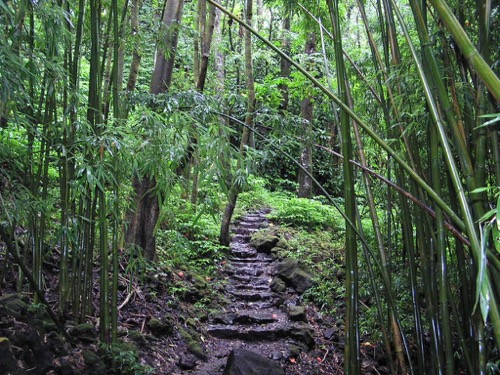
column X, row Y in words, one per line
column 144, row 215
column 143, row 220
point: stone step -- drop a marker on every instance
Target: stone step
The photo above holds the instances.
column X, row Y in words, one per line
column 231, row 270
column 248, row 286
column 242, row 237
column 247, row 317
column 260, row 257
column 251, row 295
column 245, row 231
column 244, row 252
column 251, row 281
column 253, row 263
column 253, row 217
column 253, row 224
column 268, row 332
column 301, row 332
column 252, row 305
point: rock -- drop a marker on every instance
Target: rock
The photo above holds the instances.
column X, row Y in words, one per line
column 297, row 313
column 192, row 340
column 244, row 362
column 14, row 305
column 95, row 364
column 263, row 241
column 7, row 360
column 137, row 337
column 187, row 361
column 303, row 333
column 84, row 332
column 295, row 274
column 331, row 334
column 160, row 327
column 65, row 368
column 277, row 285
column 276, row 355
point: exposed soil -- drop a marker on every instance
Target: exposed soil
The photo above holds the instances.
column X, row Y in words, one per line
column 174, row 338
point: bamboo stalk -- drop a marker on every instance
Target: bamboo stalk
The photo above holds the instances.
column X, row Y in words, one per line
column 470, row 52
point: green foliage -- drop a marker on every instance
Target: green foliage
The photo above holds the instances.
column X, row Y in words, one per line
column 306, row 213
column 123, row 358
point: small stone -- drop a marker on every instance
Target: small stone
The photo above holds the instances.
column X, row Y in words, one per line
column 331, row 334
column 276, row 355
column 187, row 361
column 297, row 313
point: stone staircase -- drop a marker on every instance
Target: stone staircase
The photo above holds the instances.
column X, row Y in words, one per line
column 256, row 319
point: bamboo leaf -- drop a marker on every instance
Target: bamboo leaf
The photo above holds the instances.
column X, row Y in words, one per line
column 496, row 118
column 488, row 215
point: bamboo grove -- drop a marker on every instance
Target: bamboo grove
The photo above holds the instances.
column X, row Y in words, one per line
column 96, row 128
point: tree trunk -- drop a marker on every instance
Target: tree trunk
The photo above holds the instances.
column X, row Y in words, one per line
column 225, row 237
column 165, row 56
column 136, row 54
column 284, row 64
column 143, row 219
column 142, row 223
column 306, row 108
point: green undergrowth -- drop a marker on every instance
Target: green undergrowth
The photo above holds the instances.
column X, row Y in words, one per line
column 312, row 231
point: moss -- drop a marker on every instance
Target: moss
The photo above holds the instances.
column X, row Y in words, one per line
column 192, row 340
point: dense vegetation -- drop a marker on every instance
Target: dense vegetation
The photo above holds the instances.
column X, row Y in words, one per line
column 130, row 130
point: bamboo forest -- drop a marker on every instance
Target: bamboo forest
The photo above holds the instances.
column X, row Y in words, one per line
column 249, row 187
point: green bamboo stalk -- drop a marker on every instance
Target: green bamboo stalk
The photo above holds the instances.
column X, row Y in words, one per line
column 442, row 273
column 470, row 52
column 486, row 291
column 352, row 348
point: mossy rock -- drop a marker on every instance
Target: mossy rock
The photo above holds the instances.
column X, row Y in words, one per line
column 263, row 241
column 7, row 360
column 84, row 332
column 161, row 326
column 15, row 305
column 295, row 274
column 192, row 340
column 95, row 364
column 199, row 282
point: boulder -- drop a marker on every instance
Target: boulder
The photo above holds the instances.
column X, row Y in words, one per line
column 295, row 274
column 263, row 241
column 245, row 362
